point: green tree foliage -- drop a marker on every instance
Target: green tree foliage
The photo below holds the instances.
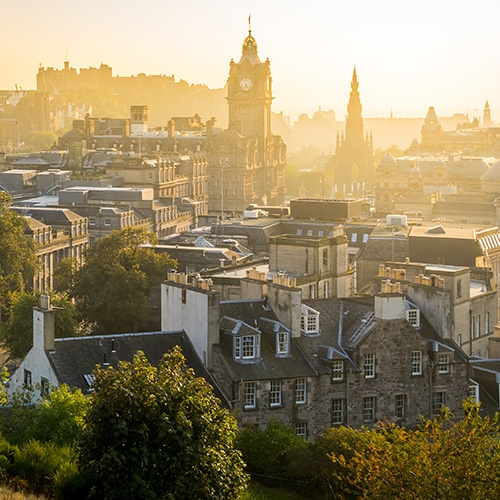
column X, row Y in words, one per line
column 18, row 259
column 17, row 332
column 442, row 458
column 159, row 433
column 115, row 286
column 264, row 450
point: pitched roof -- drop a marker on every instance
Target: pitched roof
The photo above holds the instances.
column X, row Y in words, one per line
column 76, row 357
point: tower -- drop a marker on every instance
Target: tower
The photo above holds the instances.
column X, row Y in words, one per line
column 246, row 161
column 249, row 94
column 431, row 132
column 354, row 152
column 487, row 115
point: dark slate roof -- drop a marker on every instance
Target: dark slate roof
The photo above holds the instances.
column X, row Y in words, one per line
column 256, row 314
column 49, row 215
column 75, row 357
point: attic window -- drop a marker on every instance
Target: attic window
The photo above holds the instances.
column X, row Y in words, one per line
column 309, row 321
column 413, row 317
column 246, row 347
column 282, row 343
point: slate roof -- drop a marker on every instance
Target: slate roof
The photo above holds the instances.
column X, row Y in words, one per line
column 49, row 215
column 257, row 315
column 74, row 358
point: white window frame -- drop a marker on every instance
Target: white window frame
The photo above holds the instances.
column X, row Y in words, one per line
column 473, row 391
column 413, row 317
column 438, row 400
column 369, row 408
column 250, row 395
column 282, row 343
column 401, row 403
column 369, row 365
column 337, row 369
column 338, row 411
column 416, row 362
column 309, row 321
column 443, row 363
column 301, row 391
column 246, row 347
column 275, row 393
column 487, row 322
column 301, row 429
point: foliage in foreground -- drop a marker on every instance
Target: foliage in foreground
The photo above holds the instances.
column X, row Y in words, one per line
column 159, row 433
column 17, row 331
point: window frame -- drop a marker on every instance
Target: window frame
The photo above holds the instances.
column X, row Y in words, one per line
column 438, row 398
column 246, row 347
column 416, row 364
column 338, row 411
column 250, row 395
column 369, row 365
column 337, row 370
column 301, row 429
column 282, row 343
column 301, row 391
column 275, row 390
column 401, row 403
column 369, row 409
column 443, row 363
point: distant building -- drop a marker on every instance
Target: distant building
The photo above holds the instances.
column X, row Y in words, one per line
column 246, row 161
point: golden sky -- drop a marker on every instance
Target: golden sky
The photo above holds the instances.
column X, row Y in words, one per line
column 409, row 55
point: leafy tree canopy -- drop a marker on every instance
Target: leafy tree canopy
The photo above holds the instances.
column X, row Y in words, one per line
column 17, row 332
column 18, row 258
column 115, row 286
column 159, row 433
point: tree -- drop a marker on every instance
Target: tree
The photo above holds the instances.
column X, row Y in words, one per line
column 18, row 258
column 118, row 280
column 17, row 332
column 159, row 433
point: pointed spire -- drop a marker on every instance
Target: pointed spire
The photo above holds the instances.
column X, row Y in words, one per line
column 354, row 82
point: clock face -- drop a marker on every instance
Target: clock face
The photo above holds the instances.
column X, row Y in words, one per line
column 246, row 84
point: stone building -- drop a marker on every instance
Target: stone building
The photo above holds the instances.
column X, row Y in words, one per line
column 246, row 161
column 316, row 363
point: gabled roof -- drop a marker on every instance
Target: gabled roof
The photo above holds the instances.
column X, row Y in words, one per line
column 76, row 357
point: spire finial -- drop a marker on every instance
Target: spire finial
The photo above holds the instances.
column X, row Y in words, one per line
column 249, row 23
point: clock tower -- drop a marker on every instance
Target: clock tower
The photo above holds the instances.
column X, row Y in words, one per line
column 246, row 161
column 249, row 94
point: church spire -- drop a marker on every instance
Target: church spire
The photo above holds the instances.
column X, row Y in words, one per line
column 354, row 120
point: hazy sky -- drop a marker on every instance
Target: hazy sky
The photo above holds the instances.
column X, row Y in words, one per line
column 409, row 55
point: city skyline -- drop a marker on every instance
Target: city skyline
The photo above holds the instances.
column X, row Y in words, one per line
column 408, row 56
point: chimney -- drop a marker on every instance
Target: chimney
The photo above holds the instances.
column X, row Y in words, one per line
column 389, row 306
column 43, row 325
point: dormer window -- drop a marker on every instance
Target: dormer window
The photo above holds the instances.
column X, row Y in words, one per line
column 282, row 343
column 309, row 321
column 246, row 347
column 412, row 314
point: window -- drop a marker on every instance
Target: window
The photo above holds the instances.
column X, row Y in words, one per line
column 27, row 378
column 44, row 386
column 443, row 363
column 107, row 222
column 487, row 322
column 337, row 369
column 338, row 413
column 459, row 288
column 369, row 409
column 325, row 256
column 413, row 317
column 369, row 365
column 401, row 406
column 301, row 429
column 312, row 291
column 91, row 221
column 250, row 395
column 275, row 393
column 183, row 295
column 301, row 391
column 438, row 400
column 478, row 326
column 416, row 363
column 326, row 289
column 299, row 232
column 365, row 237
column 459, row 339
column 309, row 321
column 282, row 343
column 354, row 237
column 474, row 390
column 309, row 232
column 247, row 347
